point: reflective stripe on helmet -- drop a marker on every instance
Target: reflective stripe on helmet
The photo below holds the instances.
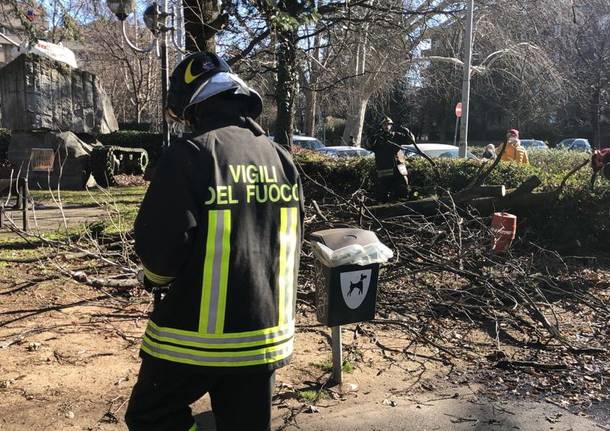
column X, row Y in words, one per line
column 187, row 77
column 222, row 82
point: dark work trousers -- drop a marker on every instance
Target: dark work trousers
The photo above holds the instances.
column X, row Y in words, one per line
column 391, row 188
column 161, row 397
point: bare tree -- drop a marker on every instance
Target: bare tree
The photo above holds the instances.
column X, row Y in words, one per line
column 131, row 79
column 515, row 71
column 586, row 58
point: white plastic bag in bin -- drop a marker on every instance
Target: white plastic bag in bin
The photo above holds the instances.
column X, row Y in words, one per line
column 354, row 254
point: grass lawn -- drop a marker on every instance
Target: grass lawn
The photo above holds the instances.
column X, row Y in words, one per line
column 114, row 195
column 118, row 209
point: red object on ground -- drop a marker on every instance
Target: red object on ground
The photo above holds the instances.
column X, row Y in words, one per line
column 504, row 229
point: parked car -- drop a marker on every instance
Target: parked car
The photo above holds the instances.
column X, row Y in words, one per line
column 306, row 142
column 575, row 144
column 436, row 151
column 533, row 144
column 345, row 151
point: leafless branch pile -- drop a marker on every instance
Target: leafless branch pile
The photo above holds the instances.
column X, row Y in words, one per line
column 531, row 312
column 527, row 319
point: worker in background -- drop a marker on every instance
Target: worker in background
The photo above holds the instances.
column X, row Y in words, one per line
column 490, row 153
column 392, row 180
column 600, row 161
column 221, row 224
column 514, row 151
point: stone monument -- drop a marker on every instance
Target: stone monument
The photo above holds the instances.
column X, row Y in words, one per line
column 46, row 103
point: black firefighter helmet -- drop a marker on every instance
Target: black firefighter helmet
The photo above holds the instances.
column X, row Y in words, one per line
column 200, row 76
column 387, row 120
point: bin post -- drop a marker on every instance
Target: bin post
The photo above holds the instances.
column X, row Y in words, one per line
column 346, row 283
column 23, row 186
column 337, row 350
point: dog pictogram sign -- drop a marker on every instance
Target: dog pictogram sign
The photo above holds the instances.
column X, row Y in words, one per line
column 354, row 286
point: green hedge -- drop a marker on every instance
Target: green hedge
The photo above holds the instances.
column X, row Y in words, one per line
column 344, row 176
column 578, row 223
column 348, row 175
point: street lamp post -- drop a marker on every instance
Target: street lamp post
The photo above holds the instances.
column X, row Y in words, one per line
column 466, row 79
column 155, row 18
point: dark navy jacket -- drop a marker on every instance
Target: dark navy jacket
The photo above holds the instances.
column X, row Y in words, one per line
column 222, row 223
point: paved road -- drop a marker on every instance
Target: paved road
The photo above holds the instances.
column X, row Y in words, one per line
column 465, row 413
column 450, row 415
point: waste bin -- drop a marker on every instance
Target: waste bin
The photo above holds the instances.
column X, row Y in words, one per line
column 347, row 270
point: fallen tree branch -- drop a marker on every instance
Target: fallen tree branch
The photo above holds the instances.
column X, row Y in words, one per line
column 506, row 364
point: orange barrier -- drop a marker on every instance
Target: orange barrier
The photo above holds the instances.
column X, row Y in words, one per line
column 503, row 229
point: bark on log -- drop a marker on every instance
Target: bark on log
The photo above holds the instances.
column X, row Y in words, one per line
column 519, row 204
column 103, row 282
column 527, row 186
column 428, row 206
column 496, row 191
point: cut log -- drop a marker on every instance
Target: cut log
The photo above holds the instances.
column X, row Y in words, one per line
column 527, row 186
column 518, row 204
column 495, row 191
column 427, row 206
column 485, row 206
column 519, row 201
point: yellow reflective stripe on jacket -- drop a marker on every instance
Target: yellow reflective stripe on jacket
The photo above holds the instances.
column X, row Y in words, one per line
column 207, row 344
column 156, row 278
column 193, row 428
column 266, row 355
column 288, row 243
column 215, row 272
column 221, row 341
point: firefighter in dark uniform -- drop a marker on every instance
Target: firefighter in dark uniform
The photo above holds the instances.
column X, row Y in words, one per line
column 221, row 224
column 392, row 181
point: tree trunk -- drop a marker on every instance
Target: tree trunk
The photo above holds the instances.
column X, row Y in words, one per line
column 595, row 114
column 311, row 104
column 442, row 127
column 285, row 89
column 202, row 20
column 311, row 96
column 354, row 123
